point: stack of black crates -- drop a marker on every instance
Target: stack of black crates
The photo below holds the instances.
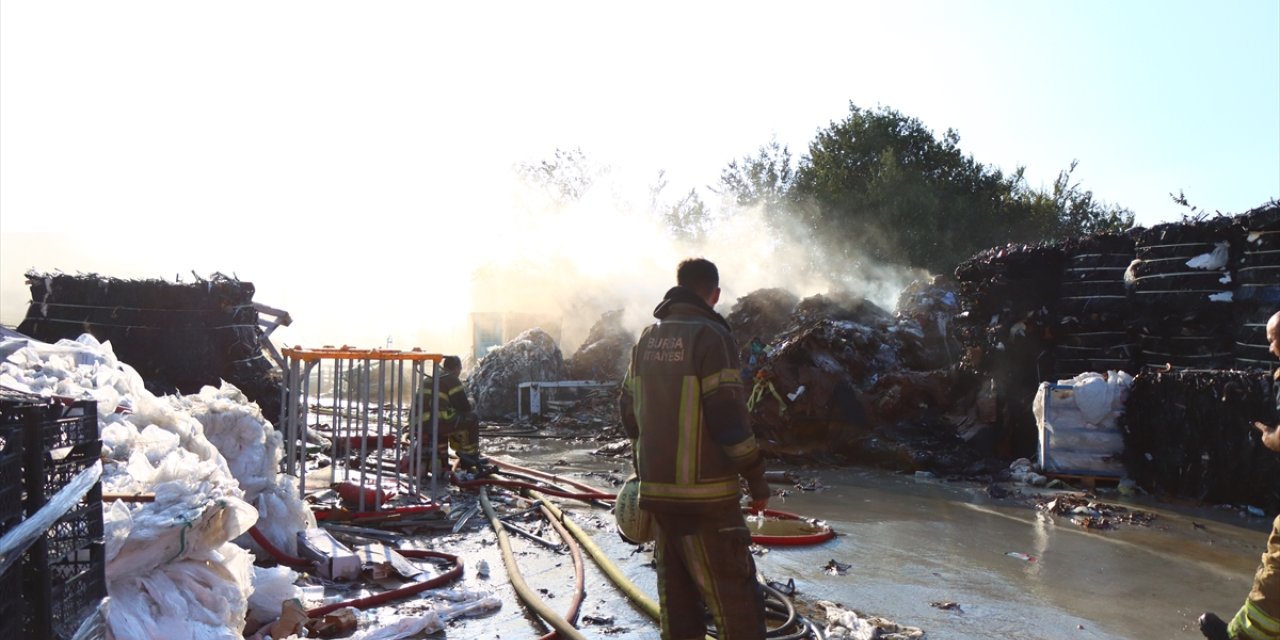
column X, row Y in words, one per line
column 60, row 579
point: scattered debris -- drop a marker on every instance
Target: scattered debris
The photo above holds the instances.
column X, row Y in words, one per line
column 836, row 568
column 947, row 606
column 1021, row 556
column 1086, row 512
column 847, row 623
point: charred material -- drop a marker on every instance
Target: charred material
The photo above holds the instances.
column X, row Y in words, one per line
column 1190, row 434
column 606, row 352
column 532, row 356
column 1181, row 285
column 1257, row 286
column 179, row 337
column 761, row 314
column 1093, row 332
column 1008, row 300
column 849, row 382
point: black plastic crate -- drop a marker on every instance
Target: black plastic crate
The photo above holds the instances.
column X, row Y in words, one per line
column 74, row 532
column 14, row 613
column 70, row 428
column 12, row 490
column 77, row 587
column 62, row 575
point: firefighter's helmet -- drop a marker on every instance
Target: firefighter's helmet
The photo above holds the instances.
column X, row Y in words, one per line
column 635, row 525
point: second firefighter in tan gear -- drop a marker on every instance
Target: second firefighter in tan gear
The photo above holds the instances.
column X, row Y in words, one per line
column 457, row 418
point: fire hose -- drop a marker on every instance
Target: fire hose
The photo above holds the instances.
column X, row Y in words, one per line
column 527, row 595
column 373, row 600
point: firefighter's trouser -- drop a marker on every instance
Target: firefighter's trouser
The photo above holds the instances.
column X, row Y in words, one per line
column 1260, row 616
column 464, row 436
column 705, row 566
column 462, row 433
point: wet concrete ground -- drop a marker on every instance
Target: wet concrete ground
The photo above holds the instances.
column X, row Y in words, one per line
column 908, row 544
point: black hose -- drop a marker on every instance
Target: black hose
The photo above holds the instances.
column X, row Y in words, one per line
column 779, row 607
column 532, row 536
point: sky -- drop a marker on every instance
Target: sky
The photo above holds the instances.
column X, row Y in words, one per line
column 355, row 161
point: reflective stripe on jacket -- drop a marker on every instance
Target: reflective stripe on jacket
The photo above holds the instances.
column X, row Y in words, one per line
column 452, row 398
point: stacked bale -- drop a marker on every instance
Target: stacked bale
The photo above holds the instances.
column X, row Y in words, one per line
column 1093, row 334
column 1189, row 434
column 1008, row 301
column 179, row 337
column 1257, row 286
column 1181, row 289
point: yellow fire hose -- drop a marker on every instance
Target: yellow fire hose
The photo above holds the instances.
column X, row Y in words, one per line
column 527, row 595
column 646, row 604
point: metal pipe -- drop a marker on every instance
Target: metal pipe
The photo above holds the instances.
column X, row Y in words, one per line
column 382, row 394
column 364, row 431
column 435, row 429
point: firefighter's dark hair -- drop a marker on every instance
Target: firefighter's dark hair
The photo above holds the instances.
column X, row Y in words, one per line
column 698, row 274
column 451, row 363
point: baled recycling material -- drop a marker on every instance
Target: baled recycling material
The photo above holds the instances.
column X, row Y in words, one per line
column 1191, row 295
column 178, row 337
column 1078, row 424
column 1190, row 434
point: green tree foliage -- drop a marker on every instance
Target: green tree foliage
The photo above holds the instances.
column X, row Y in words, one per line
column 1077, row 212
column 881, row 185
column 762, row 180
column 687, row 219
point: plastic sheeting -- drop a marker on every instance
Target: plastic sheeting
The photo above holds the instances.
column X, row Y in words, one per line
column 172, row 571
column 253, row 449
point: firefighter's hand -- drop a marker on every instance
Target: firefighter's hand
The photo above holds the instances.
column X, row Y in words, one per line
column 756, row 506
column 1270, row 436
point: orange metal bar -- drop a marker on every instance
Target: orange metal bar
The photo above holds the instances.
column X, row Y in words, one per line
column 352, row 353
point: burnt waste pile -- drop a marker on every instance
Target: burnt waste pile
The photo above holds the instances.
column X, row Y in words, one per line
column 532, row 356
column 179, row 337
column 606, row 352
column 837, row 379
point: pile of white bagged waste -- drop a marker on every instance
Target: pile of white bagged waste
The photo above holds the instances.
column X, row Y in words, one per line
column 252, row 448
column 1078, row 420
column 171, row 566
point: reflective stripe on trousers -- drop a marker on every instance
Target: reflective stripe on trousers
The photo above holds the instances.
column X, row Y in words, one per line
column 1259, row 618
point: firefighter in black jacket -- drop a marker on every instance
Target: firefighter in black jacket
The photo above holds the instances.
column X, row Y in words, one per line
column 457, row 419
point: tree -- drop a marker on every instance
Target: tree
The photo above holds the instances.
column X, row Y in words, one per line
column 565, row 178
column 763, row 180
column 882, row 185
column 687, row 219
column 1076, row 210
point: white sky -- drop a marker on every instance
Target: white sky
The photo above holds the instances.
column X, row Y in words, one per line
column 337, row 153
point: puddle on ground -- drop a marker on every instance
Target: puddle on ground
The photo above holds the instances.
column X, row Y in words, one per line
column 940, row 556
